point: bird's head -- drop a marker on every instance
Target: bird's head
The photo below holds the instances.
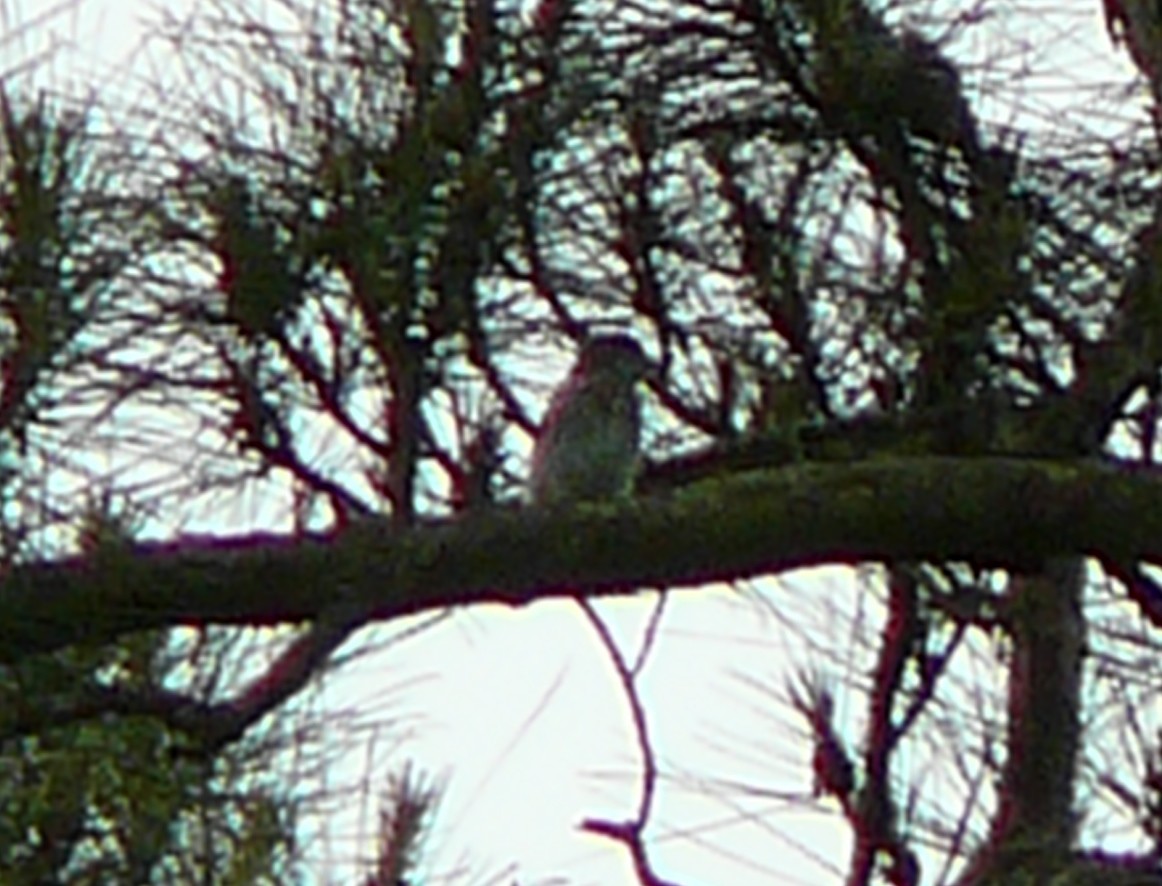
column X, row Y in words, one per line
column 614, row 357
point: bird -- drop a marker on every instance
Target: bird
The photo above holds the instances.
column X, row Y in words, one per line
column 587, row 448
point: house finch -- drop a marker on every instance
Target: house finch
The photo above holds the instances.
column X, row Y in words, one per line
column 587, row 447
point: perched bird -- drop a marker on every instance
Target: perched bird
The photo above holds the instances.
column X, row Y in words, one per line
column 587, row 447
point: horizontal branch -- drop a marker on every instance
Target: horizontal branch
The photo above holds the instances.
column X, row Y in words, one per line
column 991, row 511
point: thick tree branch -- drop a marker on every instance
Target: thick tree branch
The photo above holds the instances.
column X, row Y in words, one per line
column 992, row 511
column 1048, row 636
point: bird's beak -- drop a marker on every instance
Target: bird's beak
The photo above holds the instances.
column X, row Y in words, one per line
column 652, row 375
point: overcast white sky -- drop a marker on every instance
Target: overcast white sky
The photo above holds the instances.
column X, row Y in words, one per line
column 520, row 711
